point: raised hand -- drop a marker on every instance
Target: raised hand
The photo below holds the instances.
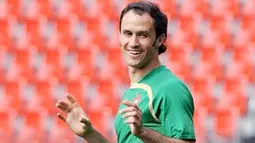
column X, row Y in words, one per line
column 133, row 116
column 75, row 116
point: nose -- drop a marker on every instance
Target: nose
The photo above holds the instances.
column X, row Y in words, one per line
column 134, row 41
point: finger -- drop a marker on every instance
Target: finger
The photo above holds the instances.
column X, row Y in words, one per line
column 71, row 98
column 130, row 120
column 63, row 103
column 62, row 108
column 60, row 116
column 128, row 109
column 85, row 121
column 129, row 103
column 132, row 114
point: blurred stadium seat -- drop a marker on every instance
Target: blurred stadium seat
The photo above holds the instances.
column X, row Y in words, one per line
column 6, row 127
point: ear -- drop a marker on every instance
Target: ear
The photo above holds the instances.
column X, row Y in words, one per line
column 161, row 39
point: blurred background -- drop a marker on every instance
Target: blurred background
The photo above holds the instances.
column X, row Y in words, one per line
column 50, row 47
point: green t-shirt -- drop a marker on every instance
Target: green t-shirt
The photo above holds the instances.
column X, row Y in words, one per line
column 166, row 104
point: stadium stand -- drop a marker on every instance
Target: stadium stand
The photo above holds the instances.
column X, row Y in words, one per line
column 49, row 47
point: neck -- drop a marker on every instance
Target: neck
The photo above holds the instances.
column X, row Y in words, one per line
column 136, row 74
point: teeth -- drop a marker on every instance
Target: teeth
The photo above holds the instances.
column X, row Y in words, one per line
column 134, row 52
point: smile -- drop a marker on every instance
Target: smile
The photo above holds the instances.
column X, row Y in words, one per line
column 134, row 52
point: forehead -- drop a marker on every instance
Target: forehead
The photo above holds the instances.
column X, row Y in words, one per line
column 134, row 22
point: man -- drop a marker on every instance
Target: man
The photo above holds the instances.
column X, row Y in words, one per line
column 158, row 107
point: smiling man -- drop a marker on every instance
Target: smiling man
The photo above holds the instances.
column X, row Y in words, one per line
column 158, row 107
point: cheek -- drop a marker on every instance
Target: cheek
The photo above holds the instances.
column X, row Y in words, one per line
column 123, row 42
column 148, row 46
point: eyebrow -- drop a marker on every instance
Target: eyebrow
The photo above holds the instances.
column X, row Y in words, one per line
column 138, row 32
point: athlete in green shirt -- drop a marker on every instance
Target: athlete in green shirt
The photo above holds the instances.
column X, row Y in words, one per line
column 158, row 107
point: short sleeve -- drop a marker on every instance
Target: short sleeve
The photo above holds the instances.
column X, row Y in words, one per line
column 177, row 111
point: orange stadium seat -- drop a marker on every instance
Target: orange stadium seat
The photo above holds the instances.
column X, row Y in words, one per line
column 202, row 6
column 98, row 120
column 5, row 42
column 114, row 56
column 184, row 37
column 248, row 23
column 4, row 8
column 59, row 132
column 237, row 101
column 46, row 9
column 6, row 126
column 234, row 84
column 54, row 60
column 63, row 26
column 243, row 54
column 182, row 70
column 179, row 54
column 189, row 24
column 247, row 10
column 23, row 57
column 4, row 27
column 234, row 94
column 225, row 122
column 85, row 58
column 108, row 9
column 202, row 92
column 248, row 71
column 34, row 127
column 234, row 7
column 44, row 95
column 33, row 31
column 54, row 56
column 212, row 54
column 2, row 72
column 12, row 94
column 189, row 10
column 169, row 7
column 107, row 90
column 200, row 125
column 85, row 55
column 3, row 54
column 211, row 70
column 116, row 62
column 78, row 8
column 216, row 36
column 14, row 6
column 77, row 89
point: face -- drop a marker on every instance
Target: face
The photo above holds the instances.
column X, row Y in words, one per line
column 137, row 39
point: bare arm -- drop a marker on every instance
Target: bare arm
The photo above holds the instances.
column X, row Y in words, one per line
column 150, row 136
column 133, row 116
column 95, row 137
column 77, row 120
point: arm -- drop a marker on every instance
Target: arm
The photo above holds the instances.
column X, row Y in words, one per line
column 95, row 137
column 150, row 136
column 133, row 116
column 176, row 111
column 77, row 120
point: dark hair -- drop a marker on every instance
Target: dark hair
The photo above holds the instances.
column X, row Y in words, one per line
column 160, row 19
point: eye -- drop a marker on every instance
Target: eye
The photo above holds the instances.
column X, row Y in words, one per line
column 143, row 35
column 127, row 33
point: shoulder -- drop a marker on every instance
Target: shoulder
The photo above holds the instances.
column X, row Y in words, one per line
column 174, row 91
column 172, row 83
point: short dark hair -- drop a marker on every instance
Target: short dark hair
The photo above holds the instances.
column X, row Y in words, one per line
column 160, row 19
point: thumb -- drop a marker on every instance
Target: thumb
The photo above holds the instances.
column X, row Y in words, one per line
column 85, row 121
